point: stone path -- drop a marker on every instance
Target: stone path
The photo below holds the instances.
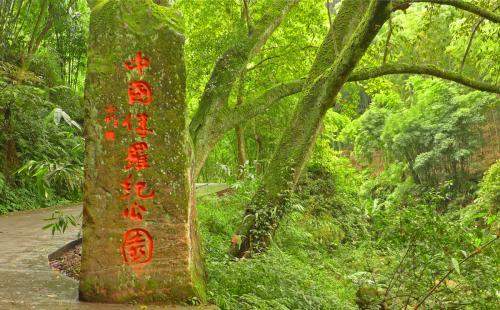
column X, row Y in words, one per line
column 26, row 280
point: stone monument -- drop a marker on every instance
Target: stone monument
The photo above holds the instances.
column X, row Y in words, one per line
column 140, row 243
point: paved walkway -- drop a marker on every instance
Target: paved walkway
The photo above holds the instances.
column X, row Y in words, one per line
column 26, row 280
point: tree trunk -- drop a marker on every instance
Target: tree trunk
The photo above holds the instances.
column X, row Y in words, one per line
column 206, row 127
column 242, row 151
column 206, row 141
column 258, row 152
column 240, row 129
column 11, row 162
column 229, row 118
column 353, row 29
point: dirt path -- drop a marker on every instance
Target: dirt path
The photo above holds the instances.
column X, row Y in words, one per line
column 27, row 281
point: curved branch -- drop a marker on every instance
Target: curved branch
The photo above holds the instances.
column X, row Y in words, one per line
column 261, row 104
column 229, row 65
column 387, row 41
column 463, row 5
column 228, row 118
column 469, row 43
column 369, row 73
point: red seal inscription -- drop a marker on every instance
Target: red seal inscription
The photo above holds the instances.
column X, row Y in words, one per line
column 137, row 246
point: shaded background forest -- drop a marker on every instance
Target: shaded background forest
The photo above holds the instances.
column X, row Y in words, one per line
column 402, row 186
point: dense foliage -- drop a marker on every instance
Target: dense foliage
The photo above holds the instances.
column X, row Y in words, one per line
column 41, row 60
column 341, row 251
column 398, row 204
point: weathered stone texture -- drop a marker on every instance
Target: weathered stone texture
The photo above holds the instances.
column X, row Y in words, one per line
column 118, row 30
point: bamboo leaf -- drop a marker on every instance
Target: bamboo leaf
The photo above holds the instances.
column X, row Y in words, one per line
column 455, row 264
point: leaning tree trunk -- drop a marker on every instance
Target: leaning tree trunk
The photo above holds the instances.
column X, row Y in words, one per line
column 353, row 29
column 229, row 118
column 240, row 135
column 207, row 126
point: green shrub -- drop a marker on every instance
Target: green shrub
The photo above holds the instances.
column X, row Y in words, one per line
column 49, row 146
column 489, row 189
column 292, row 275
column 330, row 194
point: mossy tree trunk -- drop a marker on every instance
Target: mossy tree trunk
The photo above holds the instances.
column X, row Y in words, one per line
column 353, row 29
column 211, row 120
column 351, row 32
column 229, row 118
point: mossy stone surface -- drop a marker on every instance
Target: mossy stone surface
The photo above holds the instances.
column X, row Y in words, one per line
column 118, row 30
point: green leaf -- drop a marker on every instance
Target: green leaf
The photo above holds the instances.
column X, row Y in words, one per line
column 455, row 264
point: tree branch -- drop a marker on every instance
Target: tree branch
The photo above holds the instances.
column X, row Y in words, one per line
column 246, row 15
column 51, row 17
column 463, row 5
column 261, row 104
column 370, row 73
column 43, row 6
column 443, row 278
column 387, row 41
column 204, row 126
column 469, row 43
column 230, row 65
column 251, row 67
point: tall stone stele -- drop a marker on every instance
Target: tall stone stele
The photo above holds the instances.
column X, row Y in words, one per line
column 140, row 243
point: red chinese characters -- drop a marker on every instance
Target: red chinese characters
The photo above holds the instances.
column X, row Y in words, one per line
column 135, row 210
column 112, row 120
column 127, row 122
column 137, row 157
column 137, row 246
column 138, row 63
column 126, row 187
column 140, row 92
column 139, row 189
column 137, row 122
column 142, row 125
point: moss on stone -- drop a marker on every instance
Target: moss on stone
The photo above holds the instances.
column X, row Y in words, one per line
column 118, row 29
